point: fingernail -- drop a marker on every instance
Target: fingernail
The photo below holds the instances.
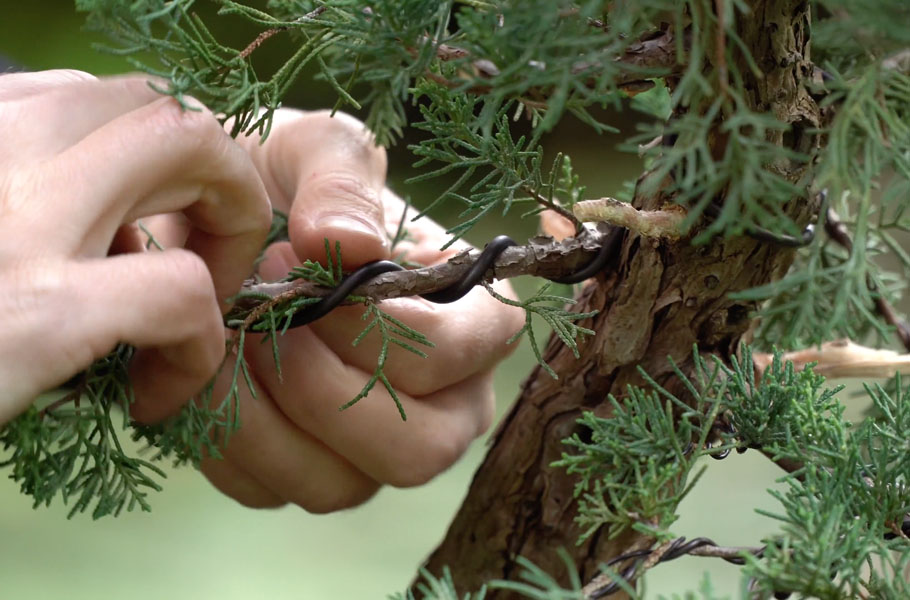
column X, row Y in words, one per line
column 353, row 224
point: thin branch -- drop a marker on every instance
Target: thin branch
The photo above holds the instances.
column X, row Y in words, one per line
column 653, row 53
column 720, row 49
column 837, row 231
column 727, row 553
column 555, row 207
column 603, row 585
column 541, row 257
column 71, row 396
column 262, row 37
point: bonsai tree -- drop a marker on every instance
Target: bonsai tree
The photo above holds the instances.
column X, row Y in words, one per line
column 717, row 292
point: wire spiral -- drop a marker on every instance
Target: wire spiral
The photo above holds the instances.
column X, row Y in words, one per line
column 681, row 547
column 485, row 261
column 457, row 290
column 678, row 547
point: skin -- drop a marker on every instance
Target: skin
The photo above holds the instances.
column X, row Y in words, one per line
column 83, row 159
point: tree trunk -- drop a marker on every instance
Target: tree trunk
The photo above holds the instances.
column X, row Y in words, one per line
column 655, row 301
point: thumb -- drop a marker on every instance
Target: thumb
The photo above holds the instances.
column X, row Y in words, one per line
column 338, row 194
column 339, row 207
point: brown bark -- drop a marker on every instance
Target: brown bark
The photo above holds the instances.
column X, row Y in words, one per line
column 657, row 299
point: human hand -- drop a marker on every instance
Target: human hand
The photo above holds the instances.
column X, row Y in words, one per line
column 81, row 159
column 294, row 444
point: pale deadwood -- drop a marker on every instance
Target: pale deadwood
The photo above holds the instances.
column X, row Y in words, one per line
column 843, row 358
column 666, row 223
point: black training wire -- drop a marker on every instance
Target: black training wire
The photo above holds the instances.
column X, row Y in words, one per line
column 328, row 303
column 763, row 235
column 608, row 249
column 678, row 547
column 457, row 290
column 487, row 259
column 475, row 274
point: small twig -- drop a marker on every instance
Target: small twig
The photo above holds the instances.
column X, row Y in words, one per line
column 728, row 553
column 656, row 555
column 837, row 231
column 70, row 396
column 720, row 49
column 262, row 37
column 555, row 207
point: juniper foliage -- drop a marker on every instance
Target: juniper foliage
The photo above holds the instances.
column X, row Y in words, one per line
column 488, row 79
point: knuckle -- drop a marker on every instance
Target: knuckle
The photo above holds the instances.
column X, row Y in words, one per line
column 192, row 283
column 346, row 193
column 351, row 134
column 20, row 86
column 191, row 121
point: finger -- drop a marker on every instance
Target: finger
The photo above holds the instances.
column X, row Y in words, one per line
column 371, row 434
column 469, row 335
column 162, row 300
column 237, row 484
column 72, row 104
column 160, row 158
column 283, row 459
column 21, row 85
column 128, row 239
column 331, row 193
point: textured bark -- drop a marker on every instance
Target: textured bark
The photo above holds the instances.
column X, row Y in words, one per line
column 656, row 300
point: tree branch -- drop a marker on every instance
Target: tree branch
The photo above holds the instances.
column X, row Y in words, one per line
column 604, row 585
column 541, row 257
column 656, row 52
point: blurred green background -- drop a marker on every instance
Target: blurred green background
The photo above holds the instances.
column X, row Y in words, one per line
column 199, row 544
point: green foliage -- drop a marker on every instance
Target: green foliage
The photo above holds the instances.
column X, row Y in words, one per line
column 550, row 308
column 634, row 468
column 840, row 507
column 74, row 451
column 436, row 588
column 474, row 68
column 204, row 424
column 533, row 582
column 845, row 500
column 852, row 31
column 487, row 79
column 392, row 332
column 831, row 291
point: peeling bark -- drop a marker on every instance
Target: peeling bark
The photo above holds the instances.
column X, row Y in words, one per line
column 655, row 300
